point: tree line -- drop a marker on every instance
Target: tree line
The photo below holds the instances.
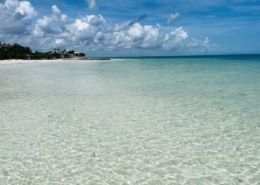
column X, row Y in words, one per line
column 16, row 51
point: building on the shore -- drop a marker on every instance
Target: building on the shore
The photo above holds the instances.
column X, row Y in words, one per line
column 58, row 51
column 4, row 45
column 66, row 53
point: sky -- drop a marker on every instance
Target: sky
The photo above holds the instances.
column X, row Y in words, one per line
column 116, row 28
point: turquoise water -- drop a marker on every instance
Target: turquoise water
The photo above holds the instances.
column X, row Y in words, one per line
column 131, row 121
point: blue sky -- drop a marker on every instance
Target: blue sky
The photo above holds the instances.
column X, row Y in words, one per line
column 133, row 28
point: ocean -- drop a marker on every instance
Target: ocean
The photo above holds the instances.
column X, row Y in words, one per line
column 163, row 120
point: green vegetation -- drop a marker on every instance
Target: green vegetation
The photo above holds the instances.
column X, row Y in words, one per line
column 47, row 55
column 17, row 51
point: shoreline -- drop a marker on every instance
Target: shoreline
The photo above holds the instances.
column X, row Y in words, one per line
column 26, row 61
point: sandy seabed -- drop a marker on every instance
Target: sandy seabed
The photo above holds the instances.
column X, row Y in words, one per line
column 129, row 122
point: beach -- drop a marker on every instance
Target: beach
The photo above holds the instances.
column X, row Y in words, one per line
column 20, row 61
column 130, row 121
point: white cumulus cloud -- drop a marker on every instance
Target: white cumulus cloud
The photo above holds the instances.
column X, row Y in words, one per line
column 91, row 33
column 175, row 39
column 16, row 16
column 136, row 30
column 86, row 24
column 26, row 10
column 179, row 33
column 55, row 9
column 59, row 41
column 42, row 26
column 51, row 25
column 64, row 17
column 92, row 4
column 173, row 17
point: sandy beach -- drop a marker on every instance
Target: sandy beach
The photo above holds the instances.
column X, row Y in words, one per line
column 20, row 61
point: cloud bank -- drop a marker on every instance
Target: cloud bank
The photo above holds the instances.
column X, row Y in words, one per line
column 91, row 33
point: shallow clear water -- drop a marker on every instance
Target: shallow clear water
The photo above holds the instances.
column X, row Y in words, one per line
column 131, row 121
